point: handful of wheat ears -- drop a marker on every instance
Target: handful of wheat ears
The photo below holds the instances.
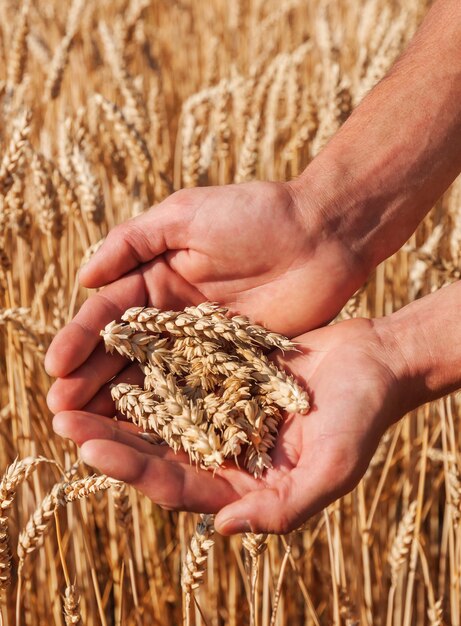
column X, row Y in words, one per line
column 209, row 387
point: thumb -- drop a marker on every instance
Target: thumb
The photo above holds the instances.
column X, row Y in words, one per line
column 281, row 508
column 139, row 240
column 260, row 511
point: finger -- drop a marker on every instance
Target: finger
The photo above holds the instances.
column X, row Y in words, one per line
column 78, row 388
column 288, row 501
column 140, row 240
column 81, row 427
column 76, row 341
column 102, row 403
column 166, row 290
column 168, row 483
column 269, row 510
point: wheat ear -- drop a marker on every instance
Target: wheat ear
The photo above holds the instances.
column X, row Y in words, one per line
column 194, row 565
column 39, row 523
column 14, row 155
column 18, row 55
column 15, row 474
column 134, row 142
column 72, row 616
column 85, row 487
column 402, row 542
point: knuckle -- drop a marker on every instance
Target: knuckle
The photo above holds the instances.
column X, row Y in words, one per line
column 136, row 237
column 132, row 231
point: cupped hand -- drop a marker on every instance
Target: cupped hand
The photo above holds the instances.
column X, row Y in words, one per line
column 355, row 383
column 255, row 248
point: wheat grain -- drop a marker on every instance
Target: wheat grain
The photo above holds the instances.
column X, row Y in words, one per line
column 122, row 505
column 246, row 166
column 61, row 56
column 50, row 216
column 134, row 103
column 89, row 190
column 29, row 332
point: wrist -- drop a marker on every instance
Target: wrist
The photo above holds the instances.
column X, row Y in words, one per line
column 328, row 207
column 422, row 345
column 404, row 354
column 359, row 193
column 399, row 150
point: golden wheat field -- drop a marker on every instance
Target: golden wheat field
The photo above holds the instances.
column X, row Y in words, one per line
column 106, row 107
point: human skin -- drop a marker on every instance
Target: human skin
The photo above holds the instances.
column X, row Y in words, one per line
column 286, row 254
column 363, row 375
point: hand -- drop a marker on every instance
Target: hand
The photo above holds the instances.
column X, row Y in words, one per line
column 356, row 392
column 251, row 247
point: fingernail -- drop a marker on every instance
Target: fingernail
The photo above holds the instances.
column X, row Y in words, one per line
column 233, row 525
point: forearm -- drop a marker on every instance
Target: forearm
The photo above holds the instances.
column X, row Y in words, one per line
column 422, row 343
column 400, row 149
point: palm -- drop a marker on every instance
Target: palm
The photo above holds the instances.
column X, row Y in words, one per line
column 317, row 457
column 249, row 247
